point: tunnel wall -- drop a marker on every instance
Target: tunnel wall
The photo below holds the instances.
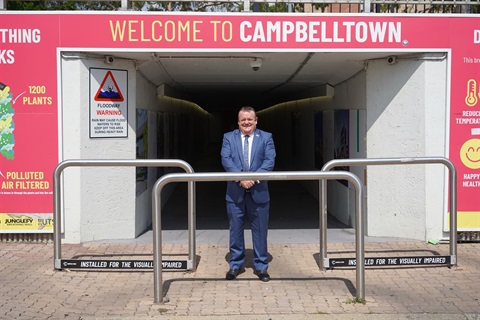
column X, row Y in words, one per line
column 174, row 129
column 293, row 123
column 401, row 111
column 177, row 129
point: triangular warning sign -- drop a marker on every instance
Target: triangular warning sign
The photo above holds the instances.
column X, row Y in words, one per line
column 109, row 90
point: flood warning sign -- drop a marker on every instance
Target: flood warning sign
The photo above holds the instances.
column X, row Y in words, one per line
column 108, row 103
column 109, row 90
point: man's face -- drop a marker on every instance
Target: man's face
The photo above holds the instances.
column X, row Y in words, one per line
column 247, row 122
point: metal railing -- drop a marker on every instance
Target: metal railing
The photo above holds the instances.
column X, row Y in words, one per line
column 229, row 176
column 58, row 187
column 390, row 161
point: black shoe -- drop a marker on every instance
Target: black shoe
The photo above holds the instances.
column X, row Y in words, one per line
column 232, row 274
column 263, row 275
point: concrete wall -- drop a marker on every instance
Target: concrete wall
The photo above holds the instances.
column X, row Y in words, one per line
column 109, row 212
column 406, row 117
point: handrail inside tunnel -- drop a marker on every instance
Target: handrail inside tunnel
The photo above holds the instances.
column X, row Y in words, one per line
column 390, row 161
column 58, row 187
column 230, row 176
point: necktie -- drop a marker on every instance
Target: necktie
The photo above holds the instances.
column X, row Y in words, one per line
column 246, row 165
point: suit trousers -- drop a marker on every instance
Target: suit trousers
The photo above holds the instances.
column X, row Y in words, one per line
column 258, row 215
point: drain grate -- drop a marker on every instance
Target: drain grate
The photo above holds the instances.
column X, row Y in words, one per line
column 468, row 236
column 26, row 237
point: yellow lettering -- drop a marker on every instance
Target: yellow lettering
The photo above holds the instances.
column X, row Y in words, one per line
column 117, row 30
column 142, row 33
column 214, row 22
column 169, row 24
column 225, row 29
column 132, row 30
column 229, row 29
column 169, row 31
column 183, row 28
column 7, row 185
column 196, row 31
column 159, row 38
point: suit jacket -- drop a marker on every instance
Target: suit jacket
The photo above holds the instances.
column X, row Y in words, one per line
column 262, row 159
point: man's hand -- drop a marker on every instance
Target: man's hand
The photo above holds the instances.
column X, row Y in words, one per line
column 247, row 184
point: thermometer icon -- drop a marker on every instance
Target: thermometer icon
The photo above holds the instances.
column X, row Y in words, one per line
column 471, row 98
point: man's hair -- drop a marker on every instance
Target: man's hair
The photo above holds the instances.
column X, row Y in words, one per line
column 248, row 109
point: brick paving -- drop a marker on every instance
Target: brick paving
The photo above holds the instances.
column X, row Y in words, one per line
column 30, row 288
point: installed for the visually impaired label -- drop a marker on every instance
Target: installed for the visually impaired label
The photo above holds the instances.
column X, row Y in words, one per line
column 120, row 264
column 390, row 261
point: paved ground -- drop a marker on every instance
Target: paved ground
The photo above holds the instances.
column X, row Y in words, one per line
column 31, row 288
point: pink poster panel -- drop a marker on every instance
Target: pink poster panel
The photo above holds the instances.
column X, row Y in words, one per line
column 28, row 122
column 465, row 119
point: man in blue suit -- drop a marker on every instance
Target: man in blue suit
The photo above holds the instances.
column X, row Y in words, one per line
column 248, row 149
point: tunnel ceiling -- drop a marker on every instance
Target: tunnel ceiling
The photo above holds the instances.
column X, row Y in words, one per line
column 222, row 81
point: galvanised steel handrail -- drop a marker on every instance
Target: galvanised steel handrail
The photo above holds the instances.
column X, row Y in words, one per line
column 58, row 187
column 390, row 161
column 230, row 176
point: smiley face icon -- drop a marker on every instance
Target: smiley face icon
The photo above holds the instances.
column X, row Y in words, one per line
column 470, row 153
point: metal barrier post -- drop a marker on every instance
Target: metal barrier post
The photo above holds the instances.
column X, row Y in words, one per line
column 229, row 176
column 391, row 161
column 323, row 222
column 58, row 188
